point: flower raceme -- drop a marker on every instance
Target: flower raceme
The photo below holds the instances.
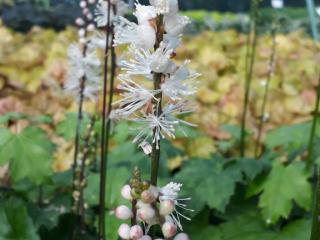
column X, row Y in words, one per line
column 150, row 53
column 155, row 206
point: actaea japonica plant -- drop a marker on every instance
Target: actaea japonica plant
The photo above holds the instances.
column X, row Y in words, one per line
column 151, row 49
column 152, row 42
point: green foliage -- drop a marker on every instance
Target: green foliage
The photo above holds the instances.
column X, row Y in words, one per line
column 29, row 154
column 248, row 226
column 67, row 127
column 213, row 182
column 15, row 224
column 283, row 186
column 116, row 178
column 291, row 137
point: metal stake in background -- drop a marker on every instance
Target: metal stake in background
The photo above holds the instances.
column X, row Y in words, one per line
column 313, row 19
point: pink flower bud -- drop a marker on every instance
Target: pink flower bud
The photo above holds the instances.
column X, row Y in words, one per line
column 126, row 192
column 148, row 197
column 146, row 213
column 89, row 16
column 92, row 1
column 182, row 236
column 91, row 27
column 169, row 229
column 123, row 212
column 136, row 232
column 79, row 21
column 124, row 231
column 83, row 40
column 166, row 207
column 146, row 237
column 85, row 11
column 154, row 190
column 83, row 4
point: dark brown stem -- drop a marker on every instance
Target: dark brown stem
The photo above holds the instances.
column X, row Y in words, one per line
column 157, row 78
column 105, row 131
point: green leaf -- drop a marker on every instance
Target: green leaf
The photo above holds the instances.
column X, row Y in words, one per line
column 28, row 153
column 116, row 178
column 11, row 116
column 249, row 226
column 283, row 186
column 67, row 127
column 251, row 167
column 208, row 182
column 15, row 222
column 293, row 136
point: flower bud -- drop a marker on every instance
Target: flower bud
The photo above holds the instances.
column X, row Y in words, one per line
column 89, row 16
column 124, row 231
column 123, row 212
column 146, row 213
column 79, row 22
column 136, row 232
column 146, row 237
column 147, row 197
column 83, row 4
column 169, row 229
column 126, row 192
column 81, row 32
column 166, row 207
column 154, row 190
column 91, row 27
column 92, row 1
column 182, row 236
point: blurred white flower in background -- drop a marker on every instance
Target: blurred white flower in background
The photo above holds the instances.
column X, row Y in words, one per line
column 277, row 4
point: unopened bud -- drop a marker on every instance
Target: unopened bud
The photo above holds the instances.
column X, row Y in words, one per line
column 182, row 236
column 166, row 207
column 80, row 22
column 126, row 192
column 89, row 16
column 91, row 27
column 136, row 232
column 124, row 231
column 123, row 212
column 92, row 1
column 169, row 229
column 85, row 11
column 83, row 4
column 147, row 197
column 154, row 190
column 82, row 32
column 146, row 213
column 82, row 40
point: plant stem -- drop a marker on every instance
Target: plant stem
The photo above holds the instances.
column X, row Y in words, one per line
column 157, row 77
column 86, row 152
column 250, row 58
column 266, row 92
column 104, row 135
column 315, row 231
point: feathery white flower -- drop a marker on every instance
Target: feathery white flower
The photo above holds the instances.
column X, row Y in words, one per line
column 144, row 13
column 160, row 126
column 161, row 6
column 134, row 98
column 127, row 32
column 175, row 24
column 82, row 67
column 171, row 192
column 181, row 83
column 143, row 62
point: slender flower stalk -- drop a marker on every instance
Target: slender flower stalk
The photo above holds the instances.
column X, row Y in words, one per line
column 315, row 231
column 106, row 13
column 152, row 42
column 271, row 66
column 249, row 64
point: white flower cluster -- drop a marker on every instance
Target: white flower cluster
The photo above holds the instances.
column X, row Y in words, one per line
column 154, row 206
column 84, row 75
column 149, row 55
